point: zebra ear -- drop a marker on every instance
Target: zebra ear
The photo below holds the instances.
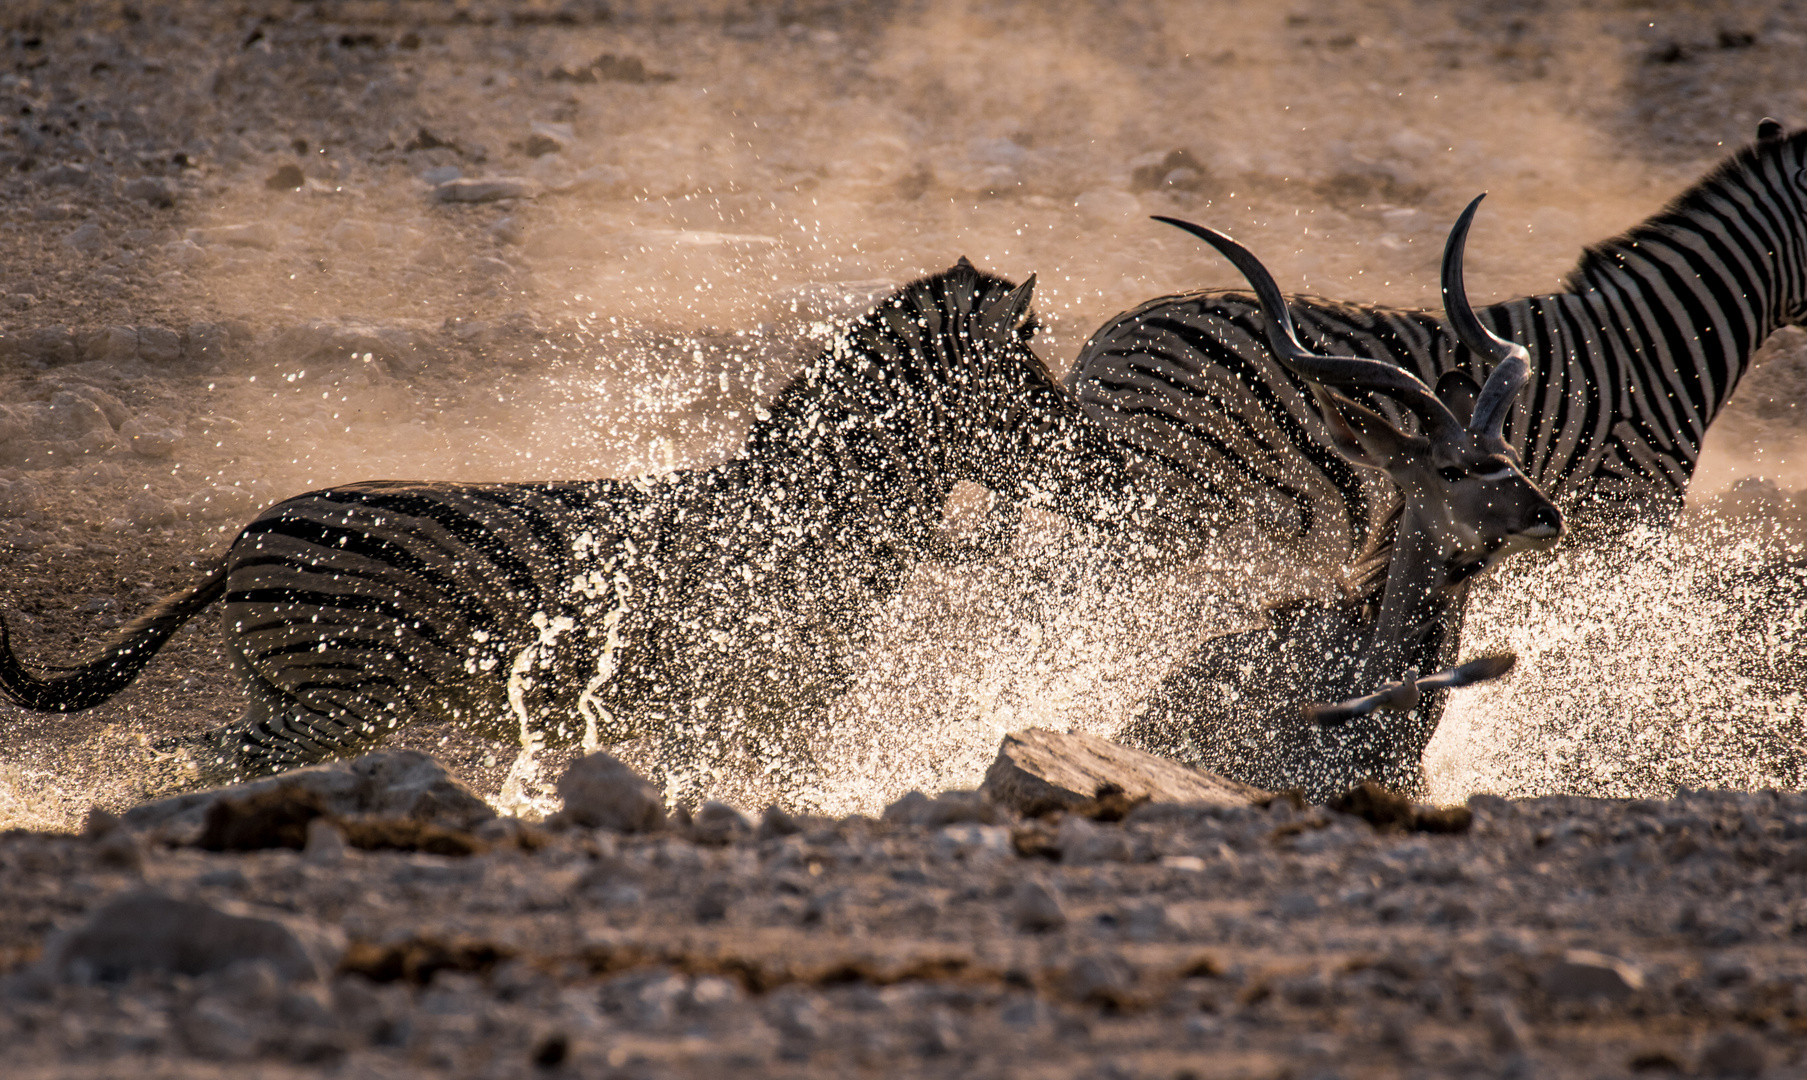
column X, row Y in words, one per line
column 1011, row 311
column 1769, row 128
column 1457, row 390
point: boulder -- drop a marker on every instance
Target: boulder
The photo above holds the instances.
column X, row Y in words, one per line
column 388, row 784
column 147, row 931
column 601, row 792
column 1038, row 771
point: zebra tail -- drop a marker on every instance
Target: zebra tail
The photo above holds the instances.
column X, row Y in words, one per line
column 98, row 680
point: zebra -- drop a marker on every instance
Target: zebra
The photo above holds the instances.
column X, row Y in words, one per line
column 1631, row 362
column 1234, row 704
column 704, row 607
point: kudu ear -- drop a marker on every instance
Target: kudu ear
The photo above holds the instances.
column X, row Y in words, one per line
column 1363, row 436
column 1457, row 390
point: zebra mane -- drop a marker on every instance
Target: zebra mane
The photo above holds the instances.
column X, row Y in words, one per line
column 856, row 365
column 1600, row 256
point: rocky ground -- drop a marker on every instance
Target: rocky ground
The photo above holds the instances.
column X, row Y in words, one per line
column 1555, row 937
column 258, row 247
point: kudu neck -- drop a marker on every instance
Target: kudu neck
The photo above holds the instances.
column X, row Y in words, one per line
column 1417, row 583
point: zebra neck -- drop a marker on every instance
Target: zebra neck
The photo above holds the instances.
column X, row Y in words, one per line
column 1685, row 298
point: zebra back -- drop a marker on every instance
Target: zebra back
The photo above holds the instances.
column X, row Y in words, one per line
column 1629, row 365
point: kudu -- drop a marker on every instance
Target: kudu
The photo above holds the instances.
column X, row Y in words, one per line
column 1243, row 704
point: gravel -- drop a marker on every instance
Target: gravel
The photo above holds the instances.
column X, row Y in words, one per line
column 1234, row 941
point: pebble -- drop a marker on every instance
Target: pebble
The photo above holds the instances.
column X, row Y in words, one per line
column 325, row 845
column 600, row 792
column 149, row 931
column 185, row 253
column 508, row 230
column 1036, row 908
column 718, row 823
column 67, row 174
column 158, row 191
column 1080, row 842
column 286, row 178
column 947, row 808
column 206, row 341
column 1733, row 1054
column 1581, row 974
column 253, row 234
column 159, row 345
column 1101, row 979
column 150, row 435
column 545, row 138
column 149, row 511
column 53, row 345
column 87, row 238
column 108, row 344
column 484, row 190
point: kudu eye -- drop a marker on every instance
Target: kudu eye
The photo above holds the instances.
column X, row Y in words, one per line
column 1452, row 473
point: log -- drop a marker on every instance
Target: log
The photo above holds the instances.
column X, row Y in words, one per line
column 1038, row 771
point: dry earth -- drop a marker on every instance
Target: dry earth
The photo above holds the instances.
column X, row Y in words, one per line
column 229, row 274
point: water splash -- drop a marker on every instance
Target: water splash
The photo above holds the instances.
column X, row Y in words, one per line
column 525, row 791
column 1667, row 660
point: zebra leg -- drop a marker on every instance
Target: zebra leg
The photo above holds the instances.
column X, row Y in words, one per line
column 277, row 732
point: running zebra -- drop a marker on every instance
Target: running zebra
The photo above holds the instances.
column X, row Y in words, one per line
column 1629, row 365
column 704, row 606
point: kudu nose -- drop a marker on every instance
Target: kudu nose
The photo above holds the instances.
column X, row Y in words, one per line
column 1545, row 521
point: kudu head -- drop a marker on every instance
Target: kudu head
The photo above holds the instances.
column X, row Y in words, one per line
column 1466, row 494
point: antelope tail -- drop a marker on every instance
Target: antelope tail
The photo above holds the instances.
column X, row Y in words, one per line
column 101, row 678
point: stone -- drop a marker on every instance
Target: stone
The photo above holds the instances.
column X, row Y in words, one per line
column 206, row 341
column 1082, row 843
column 1101, row 979
column 149, row 435
column 158, row 191
column 286, row 178
column 1733, row 1054
column 476, row 190
column 1038, row 771
column 151, row 932
column 219, row 502
column 108, row 344
column 947, row 808
column 1035, row 907
column 148, row 511
column 325, row 844
column 508, row 230
column 159, row 344
column 67, row 174
column 1582, row 974
column 389, row 783
column 777, row 821
column 440, row 174
column 254, row 234
column 87, row 238
column 600, row 792
column 52, row 345
column 544, row 138
column 719, row 824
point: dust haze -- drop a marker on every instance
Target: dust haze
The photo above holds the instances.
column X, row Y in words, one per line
column 702, row 189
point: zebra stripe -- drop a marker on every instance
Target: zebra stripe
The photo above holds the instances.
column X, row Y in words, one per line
column 1630, row 365
column 709, row 607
